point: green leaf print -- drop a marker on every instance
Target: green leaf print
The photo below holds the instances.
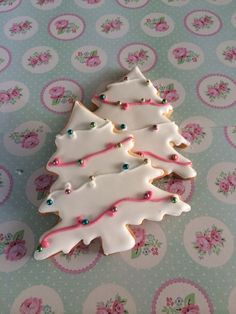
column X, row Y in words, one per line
column 135, row 253
column 189, row 299
column 18, row 235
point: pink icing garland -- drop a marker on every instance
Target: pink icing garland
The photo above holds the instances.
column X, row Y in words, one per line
column 100, row 152
column 182, row 163
column 110, row 212
column 125, row 105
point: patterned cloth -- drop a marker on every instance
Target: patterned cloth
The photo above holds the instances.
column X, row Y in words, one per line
column 54, row 51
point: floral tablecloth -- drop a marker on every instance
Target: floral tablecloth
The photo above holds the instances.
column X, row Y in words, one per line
column 53, row 51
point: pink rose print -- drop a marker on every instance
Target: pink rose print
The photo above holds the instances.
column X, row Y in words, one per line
column 142, row 54
column 145, row 244
column 15, row 250
column 203, row 22
column 43, row 182
column 157, row 24
column 224, row 186
column 188, row 136
column 171, row 96
column 39, row 58
column 7, row 2
column 218, row 91
column 60, row 95
column 44, row 57
column 31, row 306
column 182, row 55
column 232, row 180
column 106, row 28
column 116, row 306
column 92, row 1
column 137, row 58
column 215, row 236
column 213, row 92
column 190, row 309
column 222, row 87
column 30, row 140
column 13, row 246
column 116, row 23
column 103, row 310
column 154, row 251
column 139, row 234
column 162, row 26
column 209, row 242
column 4, row 97
column 33, row 61
column 176, row 186
column 169, row 92
column 43, row 2
column 61, row 24
column 180, row 305
column 64, row 26
column 169, row 301
column 42, row 185
column 56, row 92
column 35, row 305
column 198, row 24
column 230, row 53
column 77, row 251
column 172, row 184
column 111, row 25
column 15, row 28
column 194, row 133
column 132, row 58
column 226, row 182
column 203, row 243
column 20, row 28
column 15, row 92
column 91, row 59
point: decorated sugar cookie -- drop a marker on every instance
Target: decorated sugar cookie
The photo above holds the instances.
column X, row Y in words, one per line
column 134, row 105
column 157, row 143
column 104, row 208
column 89, row 147
column 102, row 188
column 133, row 102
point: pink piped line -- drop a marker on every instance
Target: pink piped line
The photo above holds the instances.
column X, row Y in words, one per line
column 146, row 102
column 78, row 224
column 89, row 156
column 182, row 163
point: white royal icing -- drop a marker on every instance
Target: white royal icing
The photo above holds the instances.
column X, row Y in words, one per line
column 86, row 141
column 129, row 91
column 140, row 119
column 161, row 141
column 89, row 202
column 81, row 117
column 83, row 195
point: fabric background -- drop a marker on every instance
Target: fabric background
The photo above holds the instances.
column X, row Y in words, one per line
column 185, row 264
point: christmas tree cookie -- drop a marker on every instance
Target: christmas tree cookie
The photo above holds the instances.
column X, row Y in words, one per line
column 87, row 147
column 134, row 105
column 101, row 188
